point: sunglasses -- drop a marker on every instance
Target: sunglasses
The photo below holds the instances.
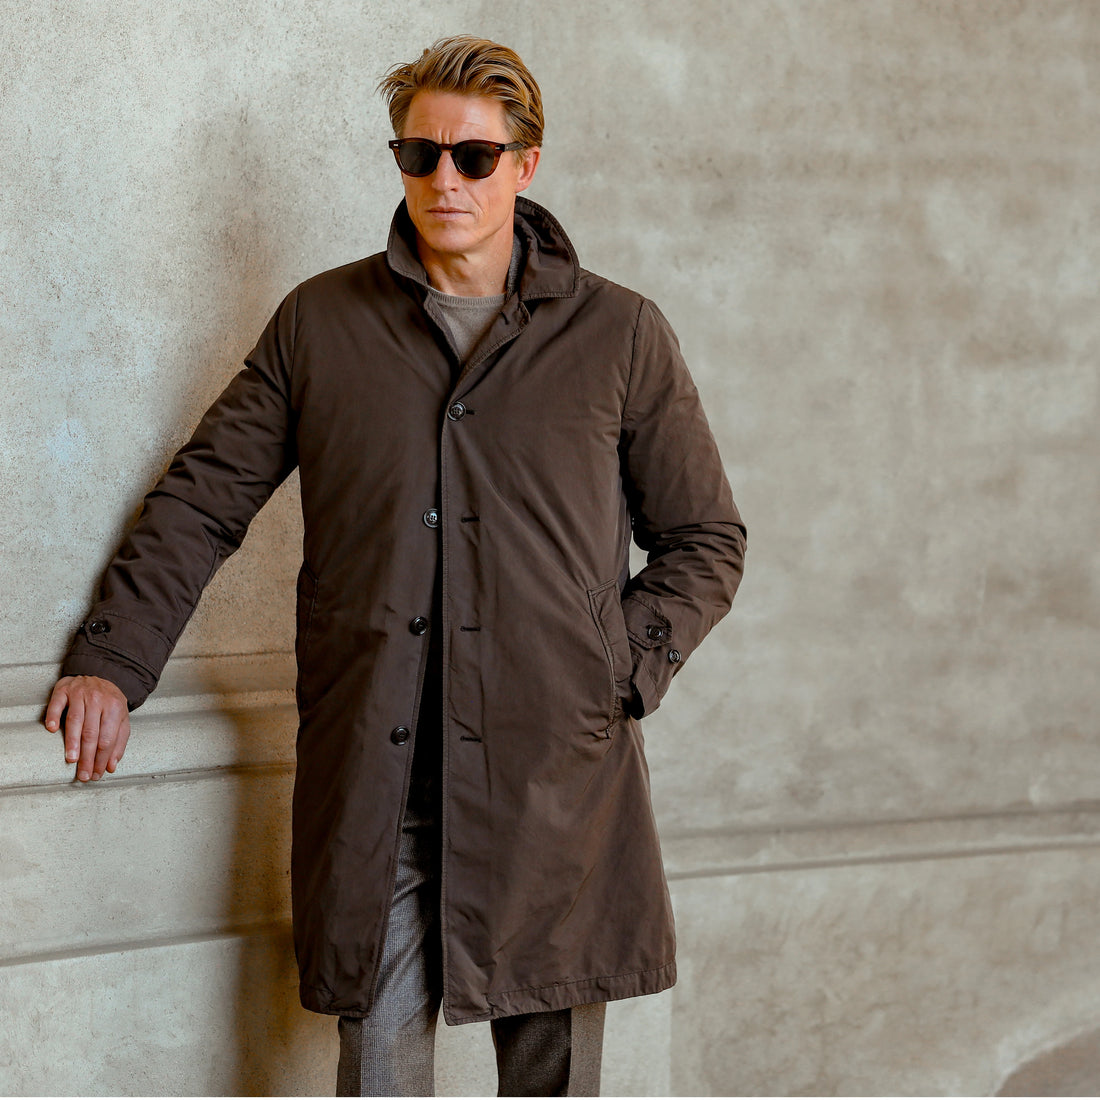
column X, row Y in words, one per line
column 474, row 159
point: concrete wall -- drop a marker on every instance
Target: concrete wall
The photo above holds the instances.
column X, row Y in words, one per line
column 874, row 225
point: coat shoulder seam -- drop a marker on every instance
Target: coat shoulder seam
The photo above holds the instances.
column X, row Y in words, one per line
column 633, row 351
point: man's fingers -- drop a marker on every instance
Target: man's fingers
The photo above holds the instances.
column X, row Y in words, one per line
column 89, row 742
column 109, row 733
column 102, row 753
column 74, row 724
column 120, row 743
column 59, row 700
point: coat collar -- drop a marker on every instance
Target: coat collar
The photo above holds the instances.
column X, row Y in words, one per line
column 550, row 268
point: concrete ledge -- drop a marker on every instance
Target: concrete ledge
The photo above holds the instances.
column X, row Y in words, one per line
column 733, row 851
column 207, row 713
column 187, row 683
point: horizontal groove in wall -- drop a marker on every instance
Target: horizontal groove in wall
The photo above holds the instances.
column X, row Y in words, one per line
column 1083, row 811
column 180, row 706
column 915, row 856
column 180, row 775
column 255, row 928
column 751, row 850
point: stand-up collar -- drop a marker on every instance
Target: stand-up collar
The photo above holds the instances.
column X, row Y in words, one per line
column 550, row 268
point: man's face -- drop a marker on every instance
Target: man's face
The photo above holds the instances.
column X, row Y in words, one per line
column 455, row 216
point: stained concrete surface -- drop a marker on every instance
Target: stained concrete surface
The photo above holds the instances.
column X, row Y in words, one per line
column 874, row 227
column 935, row 977
column 1072, row 1068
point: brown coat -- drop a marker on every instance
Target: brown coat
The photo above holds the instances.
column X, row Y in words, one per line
column 574, row 425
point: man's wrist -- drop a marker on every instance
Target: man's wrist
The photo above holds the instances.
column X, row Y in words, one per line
column 128, row 682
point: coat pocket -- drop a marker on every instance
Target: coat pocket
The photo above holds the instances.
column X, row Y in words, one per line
column 607, row 613
column 306, row 607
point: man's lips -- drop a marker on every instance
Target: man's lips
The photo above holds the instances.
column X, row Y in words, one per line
column 446, row 211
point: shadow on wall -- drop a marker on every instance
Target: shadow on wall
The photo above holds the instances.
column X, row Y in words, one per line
column 1070, row 1069
column 279, row 1047
column 272, row 1046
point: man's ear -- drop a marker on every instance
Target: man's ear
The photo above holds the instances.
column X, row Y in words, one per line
column 529, row 161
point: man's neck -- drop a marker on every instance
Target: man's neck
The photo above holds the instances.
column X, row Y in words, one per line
column 479, row 275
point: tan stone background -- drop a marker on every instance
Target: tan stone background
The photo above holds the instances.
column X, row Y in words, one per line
column 874, row 226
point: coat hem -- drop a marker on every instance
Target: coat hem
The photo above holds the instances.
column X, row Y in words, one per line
column 321, row 1001
column 513, row 1002
column 568, row 994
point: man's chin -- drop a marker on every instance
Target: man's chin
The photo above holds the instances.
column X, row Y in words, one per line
column 448, row 239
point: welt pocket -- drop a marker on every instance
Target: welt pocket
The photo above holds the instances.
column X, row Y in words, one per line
column 307, row 600
column 607, row 614
column 308, row 587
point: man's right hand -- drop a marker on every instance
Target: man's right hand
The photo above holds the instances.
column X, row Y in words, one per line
column 97, row 725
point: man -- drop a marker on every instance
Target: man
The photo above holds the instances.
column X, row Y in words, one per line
column 480, row 426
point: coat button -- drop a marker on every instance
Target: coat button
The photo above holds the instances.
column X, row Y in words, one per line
column 99, row 626
column 400, row 735
column 656, row 633
column 431, row 517
column 457, row 411
column 419, row 625
column 674, row 657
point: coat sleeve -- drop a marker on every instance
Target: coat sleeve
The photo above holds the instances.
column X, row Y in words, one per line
column 193, row 519
column 682, row 512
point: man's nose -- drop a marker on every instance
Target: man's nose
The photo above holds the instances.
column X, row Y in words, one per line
column 446, row 175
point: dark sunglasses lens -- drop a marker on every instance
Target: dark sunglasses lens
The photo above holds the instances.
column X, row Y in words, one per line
column 475, row 159
column 418, row 158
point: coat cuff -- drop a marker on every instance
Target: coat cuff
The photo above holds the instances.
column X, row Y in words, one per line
column 656, row 659
column 113, row 647
column 126, row 680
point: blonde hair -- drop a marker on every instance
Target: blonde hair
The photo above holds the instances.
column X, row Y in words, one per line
column 465, row 65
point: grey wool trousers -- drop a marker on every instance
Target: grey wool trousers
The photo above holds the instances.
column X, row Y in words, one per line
column 392, row 1051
